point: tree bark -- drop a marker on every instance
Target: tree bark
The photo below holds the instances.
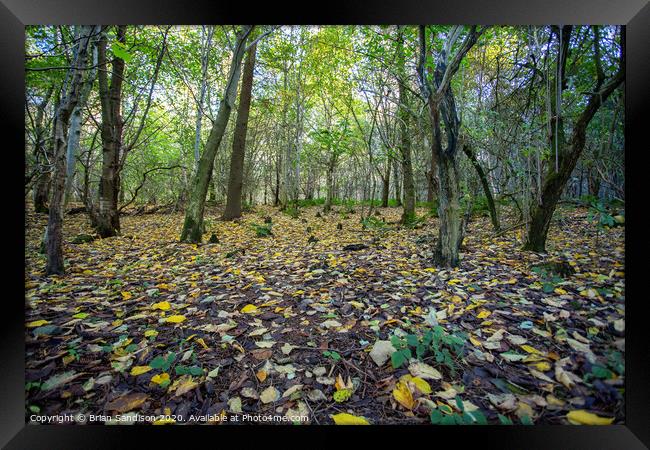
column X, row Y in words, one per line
column 70, row 99
column 385, row 187
column 41, row 187
column 74, row 135
column 441, row 103
column 193, row 225
column 235, row 182
column 106, row 219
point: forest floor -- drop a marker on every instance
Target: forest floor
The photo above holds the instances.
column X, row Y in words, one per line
column 279, row 325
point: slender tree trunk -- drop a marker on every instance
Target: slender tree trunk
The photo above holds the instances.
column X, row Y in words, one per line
column 385, row 187
column 193, row 225
column 330, row 185
column 199, row 107
column 74, row 135
column 486, row 186
column 235, row 182
column 396, row 184
column 69, row 100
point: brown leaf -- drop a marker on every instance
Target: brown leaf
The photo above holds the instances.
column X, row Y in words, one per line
column 127, row 402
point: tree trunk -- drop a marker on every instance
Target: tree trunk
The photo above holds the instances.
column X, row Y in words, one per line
column 74, row 135
column 486, row 186
column 385, row 187
column 106, row 219
column 199, row 106
column 70, row 98
column 396, row 184
column 440, row 100
column 42, row 153
column 193, row 225
column 235, row 182
column 330, row 186
column 449, row 214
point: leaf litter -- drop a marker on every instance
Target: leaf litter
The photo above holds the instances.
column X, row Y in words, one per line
column 143, row 323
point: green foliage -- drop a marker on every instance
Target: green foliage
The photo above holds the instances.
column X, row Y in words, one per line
column 120, row 51
column 458, row 417
column 292, row 211
column 332, row 355
column 163, row 363
column 191, row 370
column 373, row 222
column 599, row 214
column 262, row 230
column 549, row 279
column 437, row 342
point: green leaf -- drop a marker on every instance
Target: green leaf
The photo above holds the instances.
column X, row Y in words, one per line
column 119, row 50
column 459, row 404
column 504, row 420
column 397, row 359
column 525, row 420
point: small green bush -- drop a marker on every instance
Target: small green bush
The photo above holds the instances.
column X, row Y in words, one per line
column 436, row 342
column 262, row 230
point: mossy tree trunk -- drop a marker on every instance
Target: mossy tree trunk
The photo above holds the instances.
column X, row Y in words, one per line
column 441, row 103
column 193, row 224
column 107, row 219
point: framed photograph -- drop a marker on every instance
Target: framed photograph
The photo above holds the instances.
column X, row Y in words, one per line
column 347, row 222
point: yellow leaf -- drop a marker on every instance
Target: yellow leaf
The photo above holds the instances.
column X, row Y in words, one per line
column 483, row 314
column 261, row 375
column 126, row 295
column 560, row 291
column 475, row 341
column 202, row 343
column 530, row 349
column 159, row 379
column 185, row 385
column 403, row 396
column 542, row 366
column 248, row 309
column 163, row 306
column 175, row 319
column 150, row 333
column 37, row 323
column 419, row 383
column 582, row 417
column 139, row 370
column 349, row 419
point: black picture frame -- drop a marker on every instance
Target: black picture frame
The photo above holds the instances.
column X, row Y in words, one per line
column 15, row 14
